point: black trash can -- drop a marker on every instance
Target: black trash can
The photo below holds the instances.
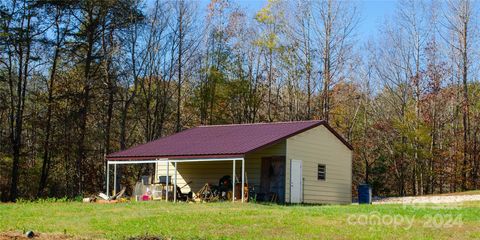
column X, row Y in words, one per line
column 364, row 194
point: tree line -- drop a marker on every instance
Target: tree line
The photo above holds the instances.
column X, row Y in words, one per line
column 81, row 79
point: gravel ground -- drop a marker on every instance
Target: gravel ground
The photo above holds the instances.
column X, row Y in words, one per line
column 428, row 199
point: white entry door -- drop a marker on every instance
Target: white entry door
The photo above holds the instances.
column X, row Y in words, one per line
column 296, row 178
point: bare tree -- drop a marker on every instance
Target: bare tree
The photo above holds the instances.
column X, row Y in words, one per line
column 187, row 34
column 301, row 32
column 335, row 22
column 458, row 21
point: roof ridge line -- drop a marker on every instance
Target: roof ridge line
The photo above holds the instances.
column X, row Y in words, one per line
column 259, row 123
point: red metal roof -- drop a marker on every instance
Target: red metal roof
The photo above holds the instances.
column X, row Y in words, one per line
column 219, row 140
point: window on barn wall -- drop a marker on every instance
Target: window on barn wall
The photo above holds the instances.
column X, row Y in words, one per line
column 322, row 172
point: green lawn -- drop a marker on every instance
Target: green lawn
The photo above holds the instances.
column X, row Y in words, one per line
column 242, row 221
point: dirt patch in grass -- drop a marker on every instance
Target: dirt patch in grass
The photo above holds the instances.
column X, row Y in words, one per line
column 148, row 238
column 39, row 236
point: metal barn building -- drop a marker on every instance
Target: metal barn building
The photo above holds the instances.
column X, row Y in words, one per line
column 294, row 162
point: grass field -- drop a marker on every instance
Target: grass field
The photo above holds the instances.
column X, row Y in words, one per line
column 243, row 221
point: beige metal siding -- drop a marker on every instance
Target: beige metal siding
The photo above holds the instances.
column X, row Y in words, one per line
column 210, row 172
column 254, row 160
column 198, row 172
column 320, row 146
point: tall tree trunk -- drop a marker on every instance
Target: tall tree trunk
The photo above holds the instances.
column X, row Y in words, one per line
column 327, row 65
column 17, row 113
column 85, row 104
column 46, row 145
column 466, row 104
column 270, row 80
column 180, row 53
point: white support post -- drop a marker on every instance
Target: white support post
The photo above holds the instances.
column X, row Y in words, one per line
column 243, row 180
column 114, row 179
column 233, row 182
column 166, row 184
column 175, row 184
column 108, row 182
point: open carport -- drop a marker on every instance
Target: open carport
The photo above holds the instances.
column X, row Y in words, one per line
column 285, row 161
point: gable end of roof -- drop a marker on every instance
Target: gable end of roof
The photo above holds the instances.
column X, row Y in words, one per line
column 320, row 123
